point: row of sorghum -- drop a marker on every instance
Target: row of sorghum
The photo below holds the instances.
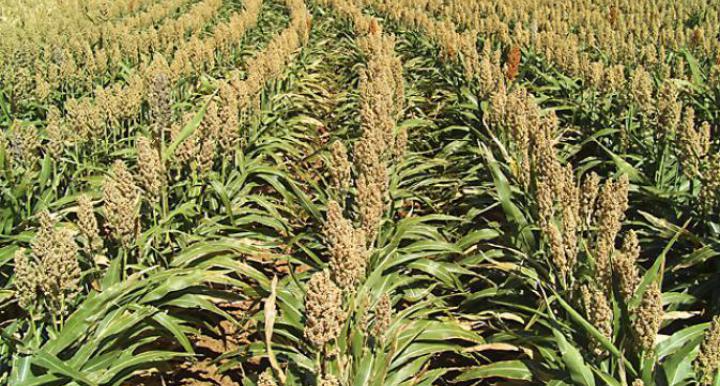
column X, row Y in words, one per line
column 568, row 210
column 381, row 94
column 454, row 46
column 324, row 302
column 219, row 130
column 620, row 32
column 86, row 118
column 50, row 28
column 77, row 64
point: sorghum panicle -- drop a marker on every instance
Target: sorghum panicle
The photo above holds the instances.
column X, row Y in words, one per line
column 324, row 313
column 121, row 199
column 27, row 281
column 599, row 313
column 383, row 317
column 87, row 223
column 648, row 316
column 151, row 171
column 339, row 166
column 708, row 360
column 348, row 253
column 625, row 266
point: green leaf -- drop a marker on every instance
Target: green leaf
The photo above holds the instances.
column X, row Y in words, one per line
column 52, row 363
column 579, row 371
column 513, row 369
column 186, row 132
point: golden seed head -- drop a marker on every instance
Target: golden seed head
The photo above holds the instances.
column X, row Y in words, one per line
column 339, row 166
column 27, row 281
column 206, row 156
column 707, row 362
column 25, row 143
column 266, row 379
column 348, row 252
column 614, row 79
column 121, row 203
column 648, row 316
column 612, row 204
column 710, row 188
column 693, row 143
column 599, row 314
column 186, row 152
column 324, row 314
column 150, row 168
column 557, row 250
column 229, row 136
column 641, row 89
column 625, row 266
column 588, row 196
column 669, row 108
column 87, row 223
column 638, row 382
column 55, row 252
column 383, row 317
column 61, row 270
column 328, row 380
column 596, row 74
column 55, row 133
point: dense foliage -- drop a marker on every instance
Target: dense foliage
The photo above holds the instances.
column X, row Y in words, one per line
column 359, row 192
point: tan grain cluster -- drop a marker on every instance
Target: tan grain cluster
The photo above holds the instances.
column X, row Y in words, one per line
column 707, row 362
column 121, row 200
column 347, row 247
column 87, row 223
column 648, row 317
column 151, row 171
column 324, row 315
column 49, row 277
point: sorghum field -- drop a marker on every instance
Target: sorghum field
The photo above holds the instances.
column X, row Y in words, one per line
column 359, row 192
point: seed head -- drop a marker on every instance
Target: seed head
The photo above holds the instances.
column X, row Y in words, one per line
column 324, row 314
column 612, row 204
column 669, row 108
column 693, row 143
column 121, row 201
column 512, row 65
column 348, row 253
column 55, row 252
column 339, row 166
column 710, row 189
column 599, row 314
column 25, row 143
column 187, row 150
column 588, row 195
column 266, row 379
column 383, row 317
column 55, row 133
column 372, row 187
column 150, row 168
column 641, row 89
column 27, row 281
column 625, row 266
column 229, row 136
column 648, row 316
column 708, row 360
column 87, row 222
column 328, row 380
column 557, row 250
